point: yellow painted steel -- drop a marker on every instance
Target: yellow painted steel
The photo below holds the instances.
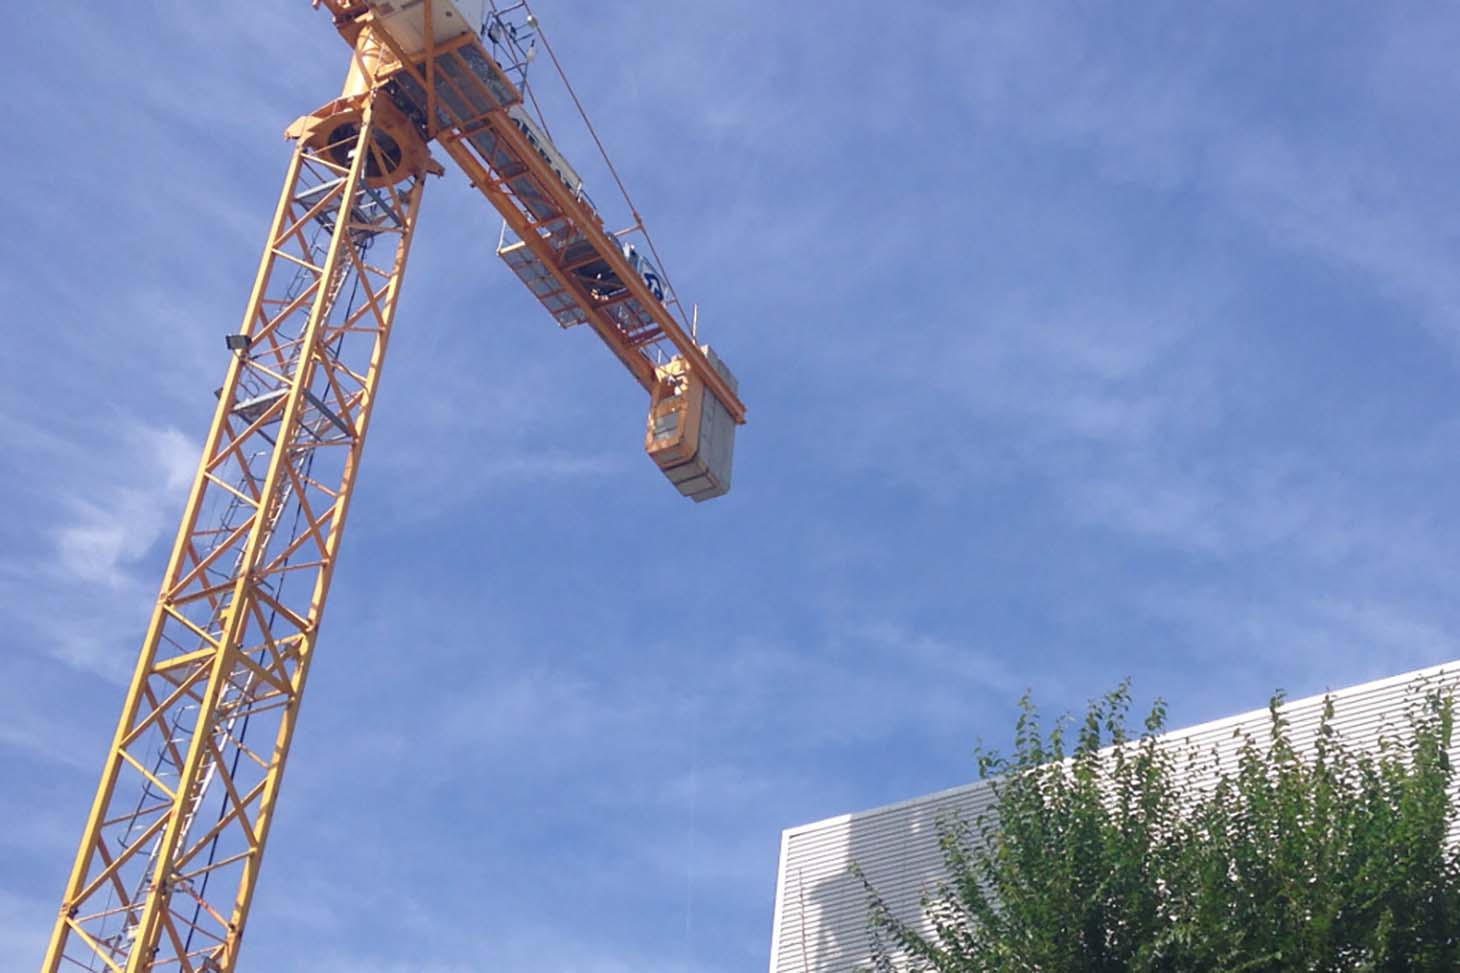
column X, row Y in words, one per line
column 172, row 847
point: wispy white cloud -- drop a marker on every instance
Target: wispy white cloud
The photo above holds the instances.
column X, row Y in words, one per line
column 1163, row 119
column 107, row 534
column 85, row 574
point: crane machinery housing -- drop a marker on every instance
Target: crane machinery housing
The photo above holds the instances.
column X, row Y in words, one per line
column 170, row 855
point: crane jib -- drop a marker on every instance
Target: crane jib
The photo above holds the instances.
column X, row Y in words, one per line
column 480, row 119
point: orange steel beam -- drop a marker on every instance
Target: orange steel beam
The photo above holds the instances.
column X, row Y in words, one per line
column 171, row 852
column 576, row 221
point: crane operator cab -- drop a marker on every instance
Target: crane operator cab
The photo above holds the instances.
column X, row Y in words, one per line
column 691, row 435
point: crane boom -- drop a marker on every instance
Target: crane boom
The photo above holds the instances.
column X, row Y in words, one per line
column 460, row 94
column 443, row 77
column 172, row 847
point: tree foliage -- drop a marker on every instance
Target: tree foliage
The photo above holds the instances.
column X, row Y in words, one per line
column 1109, row 852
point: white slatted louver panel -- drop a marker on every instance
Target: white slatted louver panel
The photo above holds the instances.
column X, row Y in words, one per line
column 820, row 923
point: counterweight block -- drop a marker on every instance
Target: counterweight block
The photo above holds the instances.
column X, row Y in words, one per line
column 691, row 435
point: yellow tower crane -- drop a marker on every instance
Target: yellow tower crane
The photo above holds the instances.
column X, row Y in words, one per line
column 171, row 851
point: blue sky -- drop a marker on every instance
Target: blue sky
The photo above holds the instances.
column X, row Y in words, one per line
column 1079, row 343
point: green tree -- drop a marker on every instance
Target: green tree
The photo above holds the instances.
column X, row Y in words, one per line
column 1109, row 852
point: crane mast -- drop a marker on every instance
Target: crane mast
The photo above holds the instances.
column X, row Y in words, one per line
column 171, row 850
column 173, row 844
